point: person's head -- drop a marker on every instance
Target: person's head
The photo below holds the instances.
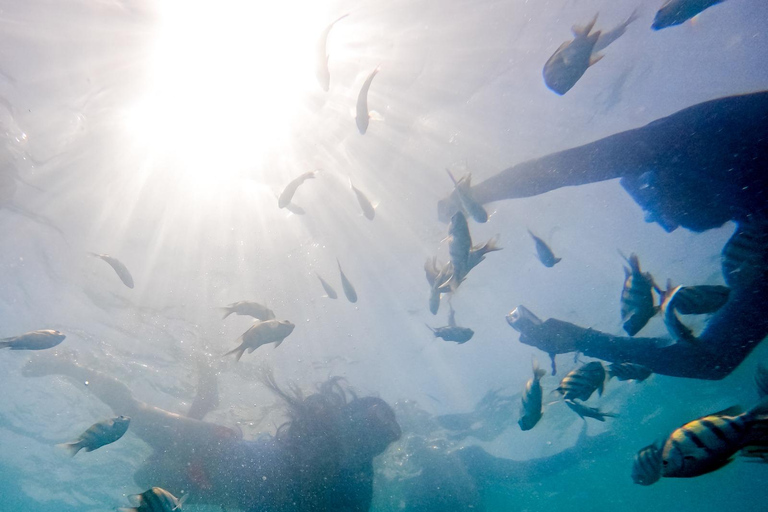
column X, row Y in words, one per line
column 371, row 426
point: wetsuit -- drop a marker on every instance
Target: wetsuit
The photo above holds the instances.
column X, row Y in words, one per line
column 698, row 168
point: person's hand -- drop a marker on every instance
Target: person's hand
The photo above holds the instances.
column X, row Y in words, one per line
column 552, row 336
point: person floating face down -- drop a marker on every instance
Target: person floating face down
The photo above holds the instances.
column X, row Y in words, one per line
column 321, row 459
column 697, row 169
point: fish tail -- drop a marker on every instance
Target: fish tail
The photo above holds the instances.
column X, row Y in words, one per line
column 5, row 344
column 632, row 17
column 239, row 351
column 583, row 31
column 226, row 311
column 450, row 175
column 557, row 260
column 72, row 448
column 538, row 373
column 430, row 328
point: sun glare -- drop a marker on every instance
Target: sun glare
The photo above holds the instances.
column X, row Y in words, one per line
column 227, row 81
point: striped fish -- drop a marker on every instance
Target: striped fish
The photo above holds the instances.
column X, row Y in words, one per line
column 629, row 371
column 761, row 380
column 707, row 444
column 530, row 412
column 701, row 300
column 154, row 500
column 646, row 468
column 745, row 256
column 677, row 329
column 588, row 412
column 637, row 302
column 477, row 253
column 545, row 254
column 98, row 435
column 583, row 381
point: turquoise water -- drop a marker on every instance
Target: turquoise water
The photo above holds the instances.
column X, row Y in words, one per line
column 161, row 133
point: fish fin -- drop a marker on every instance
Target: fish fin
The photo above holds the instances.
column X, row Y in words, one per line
column 453, row 179
column 557, row 260
column 594, row 59
column 733, row 410
column 72, row 448
column 135, row 500
column 375, row 116
column 226, row 311
column 339, row 18
column 181, row 502
column 583, row 31
column 431, row 329
column 239, row 351
column 5, row 344
column 277, row 343
column 633, row 17
column 538, row 373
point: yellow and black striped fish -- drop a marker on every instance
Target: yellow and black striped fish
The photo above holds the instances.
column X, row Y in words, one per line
column 707, row 444
column 530, row 412
column 583, row 381
column 701, row 300
column 154, row 500
column 629, row 371
column 745, row 255
column 99, row 434
column 637, row 301
column 588, row 412
column 646, row 468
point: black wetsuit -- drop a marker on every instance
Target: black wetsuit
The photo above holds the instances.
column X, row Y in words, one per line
column 698, row 168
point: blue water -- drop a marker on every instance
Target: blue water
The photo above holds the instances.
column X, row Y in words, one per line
column 161, row 134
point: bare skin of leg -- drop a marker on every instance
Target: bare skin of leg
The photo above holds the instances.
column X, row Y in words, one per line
column 159, row 428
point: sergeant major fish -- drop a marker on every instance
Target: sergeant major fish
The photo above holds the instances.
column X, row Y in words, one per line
column 34, row 340
column 262, row 333
column 588, row 412
column 637, row 302
column 677, row 329
column 646, row 468
column 708, row 443
column 676, row 12
column 329, row 291
column 362, row 116
column 701, row 299
column 321, row 58
column 248, row 308
column 120, row 269
column 99, row 434
column 569, row 62
column 155, row 499
column 287, row 194
column 346, row 285
column 530, row 413
column 583, row 381
column 545, row 254
column 459, row 246
column 464, row 191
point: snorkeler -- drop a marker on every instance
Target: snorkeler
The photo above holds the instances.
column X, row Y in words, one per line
column 698, row 168
column 321, row 460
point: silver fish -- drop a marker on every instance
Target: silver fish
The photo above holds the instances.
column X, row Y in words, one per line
column 248, row 308
column 439, row 280
column 583, row 381
column 118, row 267
column 321, row 58
column 459, row 245
column 545, row 254
column 365, row 204
column 530, row 412
column 262, row 333
column 362, row 116
column 610, row 36
column 676, row 12
column 708, row 443
column 646, row 468
column 329, row 291
column 464, row 191
column 34, row 340
column 154, row 500
column 349, row 290
column 569, row 62
column 99, row 434
column 287, row 194
column 637, row 302
column 588, row 412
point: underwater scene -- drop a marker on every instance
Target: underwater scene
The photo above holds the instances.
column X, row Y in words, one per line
column 401, row 256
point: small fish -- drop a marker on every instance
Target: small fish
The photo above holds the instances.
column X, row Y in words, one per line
column 459, row 245
column 583, row 381
column 588, row 412
column 464, row 191
column 629, row 371
column 761, row 380
column 676, row 328
column 676, row 12
column 477, row 252
column 154, row 500
column 646, row 468
column 99, row 434
column 368, row 210
column 262, row 333
column 439, row 280
column 545, row 254
column 287, row 194
column 329, row 291
column 119, row 268
column 745, row 255
column 637, row 302
column 607, row 38
column 458, row 334
column 248, row 308
column 569, row 62
column 34, row 340
column 321, row 59
column 708, row 443
column 349, row 290
column 362, row 116
column 530, row 412
column 701, row 300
